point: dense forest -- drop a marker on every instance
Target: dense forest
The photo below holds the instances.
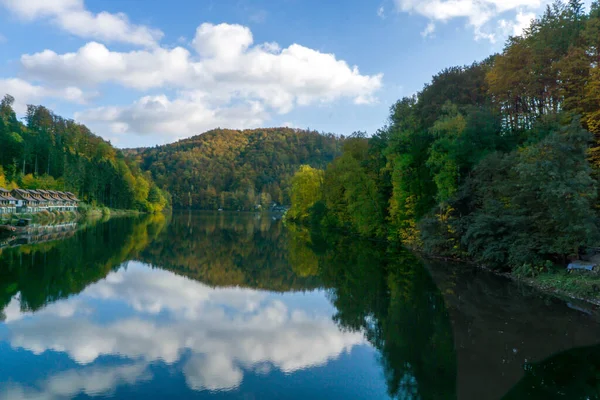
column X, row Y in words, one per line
column 235, row 170
column 50, row 152
column 497, row 161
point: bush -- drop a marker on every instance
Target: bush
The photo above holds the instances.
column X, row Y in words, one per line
column 84, row 209
column 532, row 270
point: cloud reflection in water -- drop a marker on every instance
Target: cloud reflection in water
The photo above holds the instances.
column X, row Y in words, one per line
column 160, row 316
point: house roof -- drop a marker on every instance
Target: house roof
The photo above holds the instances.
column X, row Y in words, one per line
column 72, row 196
column 5, row 195
column 64, row 196
column 45, row 194
column 41, row 195
column 22, row 193
column 35, row 195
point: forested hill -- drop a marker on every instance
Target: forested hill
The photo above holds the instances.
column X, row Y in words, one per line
column 51, row 152
column 497, row 161
column 235, row 169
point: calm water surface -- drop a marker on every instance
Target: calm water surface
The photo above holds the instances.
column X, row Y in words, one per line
column 237, row 306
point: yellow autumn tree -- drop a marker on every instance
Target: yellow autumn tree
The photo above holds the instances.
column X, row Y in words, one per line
column 305, row 191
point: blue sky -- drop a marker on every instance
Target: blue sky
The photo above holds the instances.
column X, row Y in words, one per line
column 141, row 73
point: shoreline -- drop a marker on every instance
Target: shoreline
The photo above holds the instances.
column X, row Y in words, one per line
column 535, row 282
column 70, row 216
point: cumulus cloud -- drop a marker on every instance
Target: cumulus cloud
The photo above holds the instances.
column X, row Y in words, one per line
column 225, row 74
column 74, row 18
column 225, row 64
column 190, row 113
column 479, row 14
column 227, row 330
column 381, row 12
column 25, row 93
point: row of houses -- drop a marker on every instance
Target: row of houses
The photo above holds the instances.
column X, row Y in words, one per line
column 33, row 201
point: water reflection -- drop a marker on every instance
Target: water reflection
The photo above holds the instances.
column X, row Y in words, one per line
column 215, row 334
column 239, row 306
column 190, row 308
column 45, row 272
column 387, row 294
column 229, row 249
column 574, row 375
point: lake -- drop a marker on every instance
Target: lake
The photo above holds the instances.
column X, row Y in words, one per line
column 239, row 306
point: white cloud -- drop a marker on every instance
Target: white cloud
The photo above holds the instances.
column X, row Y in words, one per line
column 381, row 12
column 429, row 30
column 73, row 17
column 226, row 64
column 94, row 64
column 222, row 42
column 479, row 14
column 516, row 27
column 191, row 113
column 227, row 330
column 26, row 93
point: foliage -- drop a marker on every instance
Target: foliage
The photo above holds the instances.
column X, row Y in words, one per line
column 534, row 203
column 305, row 191
column 235, row 170
column 50, row 152
column 492, row 161
column 531, row 271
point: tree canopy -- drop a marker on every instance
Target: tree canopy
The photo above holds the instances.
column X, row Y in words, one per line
column 496, row 161
column 51, row 152
column 235, row 170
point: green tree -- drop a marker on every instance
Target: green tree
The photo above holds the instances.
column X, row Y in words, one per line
column 305, row 192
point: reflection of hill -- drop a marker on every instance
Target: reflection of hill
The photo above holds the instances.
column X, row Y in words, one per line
column 227, row 249
column 499, row 327
column 46, row 272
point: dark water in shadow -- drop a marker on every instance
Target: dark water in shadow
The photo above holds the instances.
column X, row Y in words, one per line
column 239, row 306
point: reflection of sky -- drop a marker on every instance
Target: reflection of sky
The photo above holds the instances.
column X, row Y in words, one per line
column 117, row 332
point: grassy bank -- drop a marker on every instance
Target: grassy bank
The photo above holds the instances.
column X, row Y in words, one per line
column 576, row 284
column 556, row 280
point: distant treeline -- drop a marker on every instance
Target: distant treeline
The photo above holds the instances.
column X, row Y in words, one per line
column 235, row 170
column 496, row 161
column 50, row 152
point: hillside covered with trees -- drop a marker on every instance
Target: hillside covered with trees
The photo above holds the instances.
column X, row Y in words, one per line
column 233, row 169
column 51, row 152
column 497, row 161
